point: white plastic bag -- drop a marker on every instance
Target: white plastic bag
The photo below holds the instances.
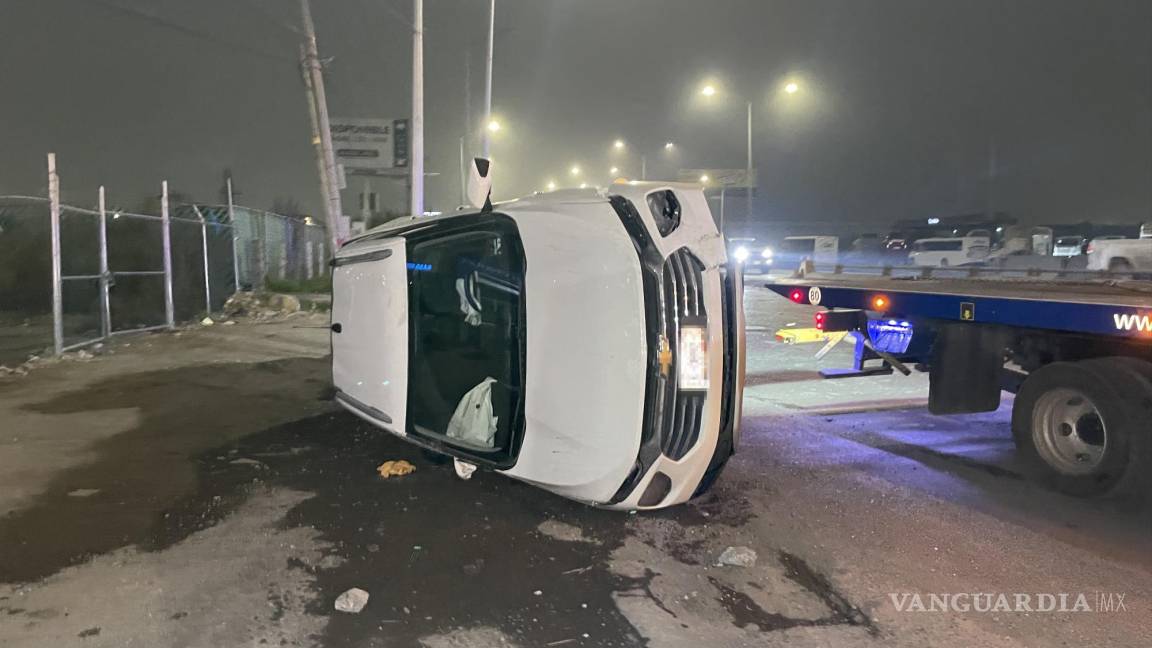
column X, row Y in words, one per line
column 472, row 422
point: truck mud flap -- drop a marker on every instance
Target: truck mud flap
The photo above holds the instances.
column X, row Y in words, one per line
column 967, row 365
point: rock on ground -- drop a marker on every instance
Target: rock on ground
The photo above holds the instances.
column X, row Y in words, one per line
column 737, row 557
column 352, row 601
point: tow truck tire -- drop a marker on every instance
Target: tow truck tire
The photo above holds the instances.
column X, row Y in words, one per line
column 1085, row 425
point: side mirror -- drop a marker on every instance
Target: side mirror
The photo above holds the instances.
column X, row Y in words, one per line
column 480, row 184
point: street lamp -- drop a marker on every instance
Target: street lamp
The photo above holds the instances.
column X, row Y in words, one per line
column 704, row 179
column 668, row 146
column 614, row 170
column 709, row 90
column 493, row 126
column 575, row 170
column 551, row 185
column 618, row 145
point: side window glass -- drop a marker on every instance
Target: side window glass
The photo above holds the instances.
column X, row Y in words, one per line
column 665, row 210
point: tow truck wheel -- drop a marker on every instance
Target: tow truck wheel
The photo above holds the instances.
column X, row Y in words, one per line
column 1084, row 424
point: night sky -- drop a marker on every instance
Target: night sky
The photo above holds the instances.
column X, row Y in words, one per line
column 902, row 102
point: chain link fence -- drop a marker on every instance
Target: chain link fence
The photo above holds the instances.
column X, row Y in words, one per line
column 121, row 271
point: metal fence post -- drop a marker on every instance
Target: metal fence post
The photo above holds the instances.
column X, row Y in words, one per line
column 235, row 238
column 204, row 250
column 57, row 282
column 166, row 238
column 105, row 276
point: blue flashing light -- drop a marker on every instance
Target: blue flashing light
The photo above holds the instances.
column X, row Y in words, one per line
column 420, row 267
column 890, row 336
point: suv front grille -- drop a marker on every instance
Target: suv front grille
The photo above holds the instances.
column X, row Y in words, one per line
column 682, row 302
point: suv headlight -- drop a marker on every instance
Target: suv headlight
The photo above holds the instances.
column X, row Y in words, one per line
column 767, row 253
column 741, row 254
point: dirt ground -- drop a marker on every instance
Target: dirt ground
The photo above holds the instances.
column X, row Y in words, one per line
column 201, row 489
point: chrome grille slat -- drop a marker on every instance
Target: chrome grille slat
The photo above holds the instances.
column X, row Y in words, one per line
column 682, row 296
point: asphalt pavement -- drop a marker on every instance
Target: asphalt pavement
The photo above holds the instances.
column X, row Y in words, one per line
column 201, row 490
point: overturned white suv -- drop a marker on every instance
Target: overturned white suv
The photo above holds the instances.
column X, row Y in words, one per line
column 589, row 342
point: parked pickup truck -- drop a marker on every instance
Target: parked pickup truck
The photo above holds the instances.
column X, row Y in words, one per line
column 589, row 342
column 1120, row 255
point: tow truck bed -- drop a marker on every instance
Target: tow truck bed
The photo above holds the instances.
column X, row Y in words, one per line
column 1120, row 309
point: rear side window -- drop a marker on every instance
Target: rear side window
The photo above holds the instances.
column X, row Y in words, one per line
column 939, row 246
column 665, row 210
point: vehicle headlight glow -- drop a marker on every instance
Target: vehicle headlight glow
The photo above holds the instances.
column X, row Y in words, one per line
column 767, row 253
column 693, row 361
column 741, row 254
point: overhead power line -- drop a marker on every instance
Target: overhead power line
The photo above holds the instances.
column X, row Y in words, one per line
column 191, row 32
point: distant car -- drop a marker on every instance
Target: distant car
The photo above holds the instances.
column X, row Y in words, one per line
column 944, row 252
column 588, row 342
column 751, row 256
column 1069, row 246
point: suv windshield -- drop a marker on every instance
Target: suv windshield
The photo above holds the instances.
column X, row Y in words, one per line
column 466, row 332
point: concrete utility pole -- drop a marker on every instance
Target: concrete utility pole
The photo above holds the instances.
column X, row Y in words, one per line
column 320, row 101
column 418, row 109
column 488, row 76
column 314, row 122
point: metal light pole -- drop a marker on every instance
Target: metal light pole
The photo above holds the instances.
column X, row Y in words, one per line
column 488, row 76
column 748, row 170
column 418, row 109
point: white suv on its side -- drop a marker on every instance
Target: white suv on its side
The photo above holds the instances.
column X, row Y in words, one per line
column 590, row 342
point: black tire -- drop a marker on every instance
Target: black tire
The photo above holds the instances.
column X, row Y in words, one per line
column 1121, row 392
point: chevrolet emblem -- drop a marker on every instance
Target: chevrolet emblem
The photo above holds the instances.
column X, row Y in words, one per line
column 664, row 356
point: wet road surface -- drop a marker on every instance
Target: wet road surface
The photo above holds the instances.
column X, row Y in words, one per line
column 172, row 502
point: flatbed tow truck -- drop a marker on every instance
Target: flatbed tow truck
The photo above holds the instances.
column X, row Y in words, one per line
column 1077, row 355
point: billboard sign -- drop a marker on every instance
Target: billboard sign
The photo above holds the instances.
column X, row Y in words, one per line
column 729, row 178
column 370, row 146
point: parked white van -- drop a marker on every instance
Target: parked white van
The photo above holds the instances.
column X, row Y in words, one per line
column 944, row 252
column 795, row 250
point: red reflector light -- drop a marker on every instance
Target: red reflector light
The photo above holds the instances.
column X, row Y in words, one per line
column 820, row 321
column 797, row 296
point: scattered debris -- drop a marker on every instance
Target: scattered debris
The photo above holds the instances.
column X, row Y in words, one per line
column 352, row 601
column 83, row 492
column 260, row 305
column 464, row 469
column 397, row 468
column 245, row 461
column 578, row 570
column 90, row 632
column 207, row 321
column 564, row 532
column 537, row 593
column 474, row 567
column 331, row 561
column 737, row 557
column 229, row 323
